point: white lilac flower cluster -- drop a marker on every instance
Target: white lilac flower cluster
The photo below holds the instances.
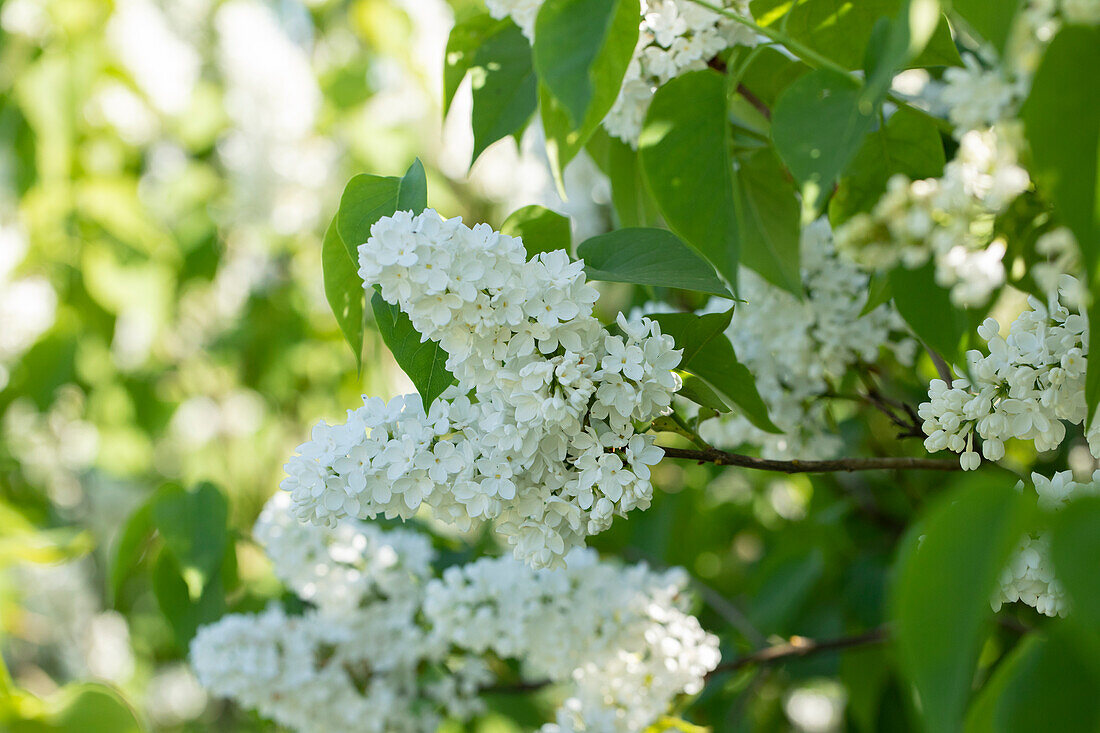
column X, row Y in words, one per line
column 1028, row 386
column 795, row 348
column 385, row 646
column 622, row 636
column 1029, row 577
column 948, row 219
column 675, row 36
column 539, row 431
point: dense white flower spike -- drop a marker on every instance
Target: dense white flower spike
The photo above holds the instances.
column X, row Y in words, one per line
column 948, row 219
column 1025, row 387
column 795, row 348
column 1029, row 577
column 538, row 434
column 387, row 647
column 675, row 36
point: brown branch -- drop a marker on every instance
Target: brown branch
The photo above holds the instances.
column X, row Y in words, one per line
column 800, row 646
column 722, row 458
column 755, row 101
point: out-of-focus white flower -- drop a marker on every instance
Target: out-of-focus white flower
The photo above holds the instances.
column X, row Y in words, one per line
column 163, row 65
column 385, row 646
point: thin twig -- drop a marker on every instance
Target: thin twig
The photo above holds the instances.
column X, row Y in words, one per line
column 799, row 646
column 722, row 458
column 941, row 366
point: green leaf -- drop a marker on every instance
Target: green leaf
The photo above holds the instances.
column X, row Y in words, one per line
column 991, row 19
column 945, row 576
column 541, row 229
column 768, row 220
column 193, row 526
column 505, row 90
column 562, row 141
column 1062, row 124
column 818, row 126
column 909, row 144
column 684, row 149
column 1042, row 685
column 895, row 42
column 648, row 257
column 1075, row 550
column 769, row 71
column 462, row 45
column 633, row 205
column 701, row 393
column 423, row 361
column 692, row 331
column 878, row 292
column 344, row 290
column 582, row 49
column 93, row 708
column 928, row 310
column 184, row 611
column 841, row 29
column 368, row 198
column 131, row 545
column 709, row 355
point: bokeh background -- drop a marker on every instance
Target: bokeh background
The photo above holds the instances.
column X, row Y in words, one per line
column 167, row 169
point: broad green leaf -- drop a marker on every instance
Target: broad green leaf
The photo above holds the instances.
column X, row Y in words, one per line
column 541, row 229
column 91, row 708
column 701, row 393
column 648, row 257
column 633, row 204
column 818, row 126
column 692, row 331
column 562, row 141
column 184, row 611
column 769, row 71
column 684, row 149
column 768, row 220
column 782, row 586
column 841, row 29
column 895, row 42
column 1075, row 549
column 193, row 526
column 462, row 45
column 1043, row 684
column 423, row 361
column 1062, row 124
column 928, row 310
column 582, row 49
column 990, row 19
column 130, row 545
column 878, row 292
column 709, row 355
column 909, row 144
column 505, row 90
column 368, row 198
column 344, row 290
column 945, row 576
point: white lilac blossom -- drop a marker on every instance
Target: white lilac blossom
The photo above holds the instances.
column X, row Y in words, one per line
column 675, row 36
column 539, row 432
column 280, row 169
column 621, row 636
column 386, row 646
column 796, row 348
column 1029, row 385
column 948, row 219
column 1029, row 577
